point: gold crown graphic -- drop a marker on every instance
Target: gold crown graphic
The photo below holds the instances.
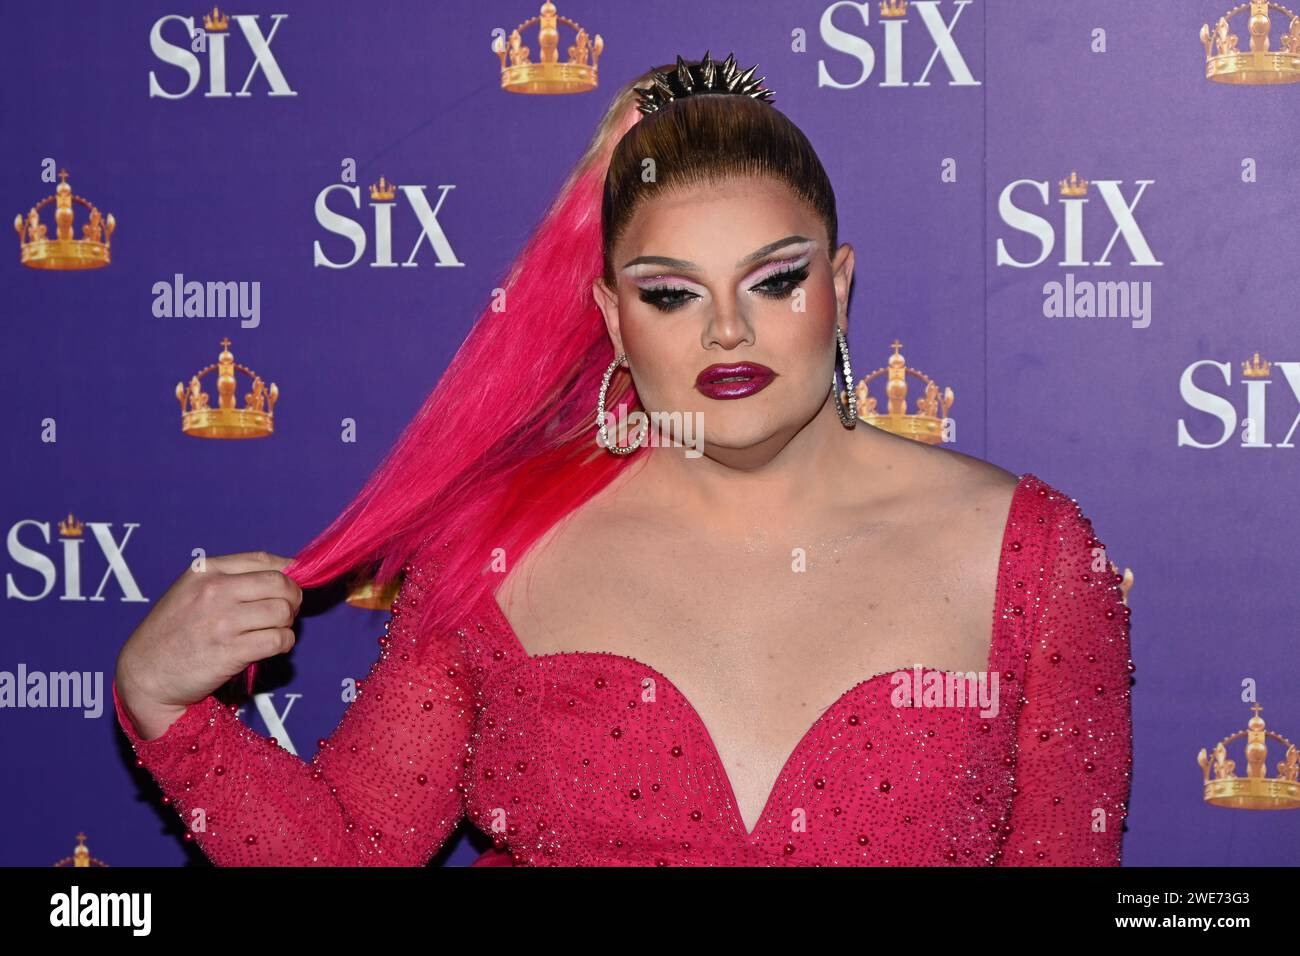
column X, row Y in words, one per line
column 70, row 527
column 893, row 8
column 1255, row 368
column 216, row 21
column 200, row 419
column 368, row 595
column 383, row 191
column 1126, row 580
column 89, row 252
column 1260, row 66
column 926, row 424
column 521, row 75
column 80, row 855
column 1074, row 186
column 1256, row 790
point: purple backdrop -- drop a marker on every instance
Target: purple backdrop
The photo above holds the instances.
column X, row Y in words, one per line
column 946, row 163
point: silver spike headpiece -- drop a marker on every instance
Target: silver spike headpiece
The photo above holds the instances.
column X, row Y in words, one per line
column 704, row 77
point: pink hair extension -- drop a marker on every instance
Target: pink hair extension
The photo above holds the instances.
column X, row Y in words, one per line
column 504, row 446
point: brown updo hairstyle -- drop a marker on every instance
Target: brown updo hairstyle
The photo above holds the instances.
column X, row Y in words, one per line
column 706, row 139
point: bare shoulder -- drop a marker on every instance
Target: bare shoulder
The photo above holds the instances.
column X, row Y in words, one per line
column 977, row 500
column 954, row 486
column 954, row 510
column 982, row 484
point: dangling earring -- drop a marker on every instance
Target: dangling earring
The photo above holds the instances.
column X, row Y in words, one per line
column 850, row 419
column 600, row 415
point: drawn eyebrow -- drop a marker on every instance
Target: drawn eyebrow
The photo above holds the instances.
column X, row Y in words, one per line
column 691, row 266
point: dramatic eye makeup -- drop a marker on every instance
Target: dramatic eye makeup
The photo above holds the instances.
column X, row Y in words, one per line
column 776, row 279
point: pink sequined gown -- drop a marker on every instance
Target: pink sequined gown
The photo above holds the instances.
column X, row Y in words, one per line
column 559, row 759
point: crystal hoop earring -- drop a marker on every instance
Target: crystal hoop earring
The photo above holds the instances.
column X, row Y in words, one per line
column 849, row 418
column 600, row 415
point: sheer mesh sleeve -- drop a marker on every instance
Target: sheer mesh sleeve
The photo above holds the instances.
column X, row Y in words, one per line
column 383, row 790
column 1072, row 773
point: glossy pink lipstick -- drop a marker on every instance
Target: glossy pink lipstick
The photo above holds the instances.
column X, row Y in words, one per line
column 736, row 380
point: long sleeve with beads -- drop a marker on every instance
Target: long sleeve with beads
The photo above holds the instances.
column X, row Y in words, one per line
column 384, row 789
column 1074, row 737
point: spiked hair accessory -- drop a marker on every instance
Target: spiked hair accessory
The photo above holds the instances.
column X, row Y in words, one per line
column 703, row 77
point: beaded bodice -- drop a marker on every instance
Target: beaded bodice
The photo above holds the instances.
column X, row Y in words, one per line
column 585, row 758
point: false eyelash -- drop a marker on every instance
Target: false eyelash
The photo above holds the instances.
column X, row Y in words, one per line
column 657, row 296
column 661, row 296
column 792, row 275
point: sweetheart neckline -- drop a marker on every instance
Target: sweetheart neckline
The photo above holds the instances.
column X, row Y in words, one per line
column 693, row 714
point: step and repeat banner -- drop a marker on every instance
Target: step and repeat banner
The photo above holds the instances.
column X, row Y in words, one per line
column 249, row 239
